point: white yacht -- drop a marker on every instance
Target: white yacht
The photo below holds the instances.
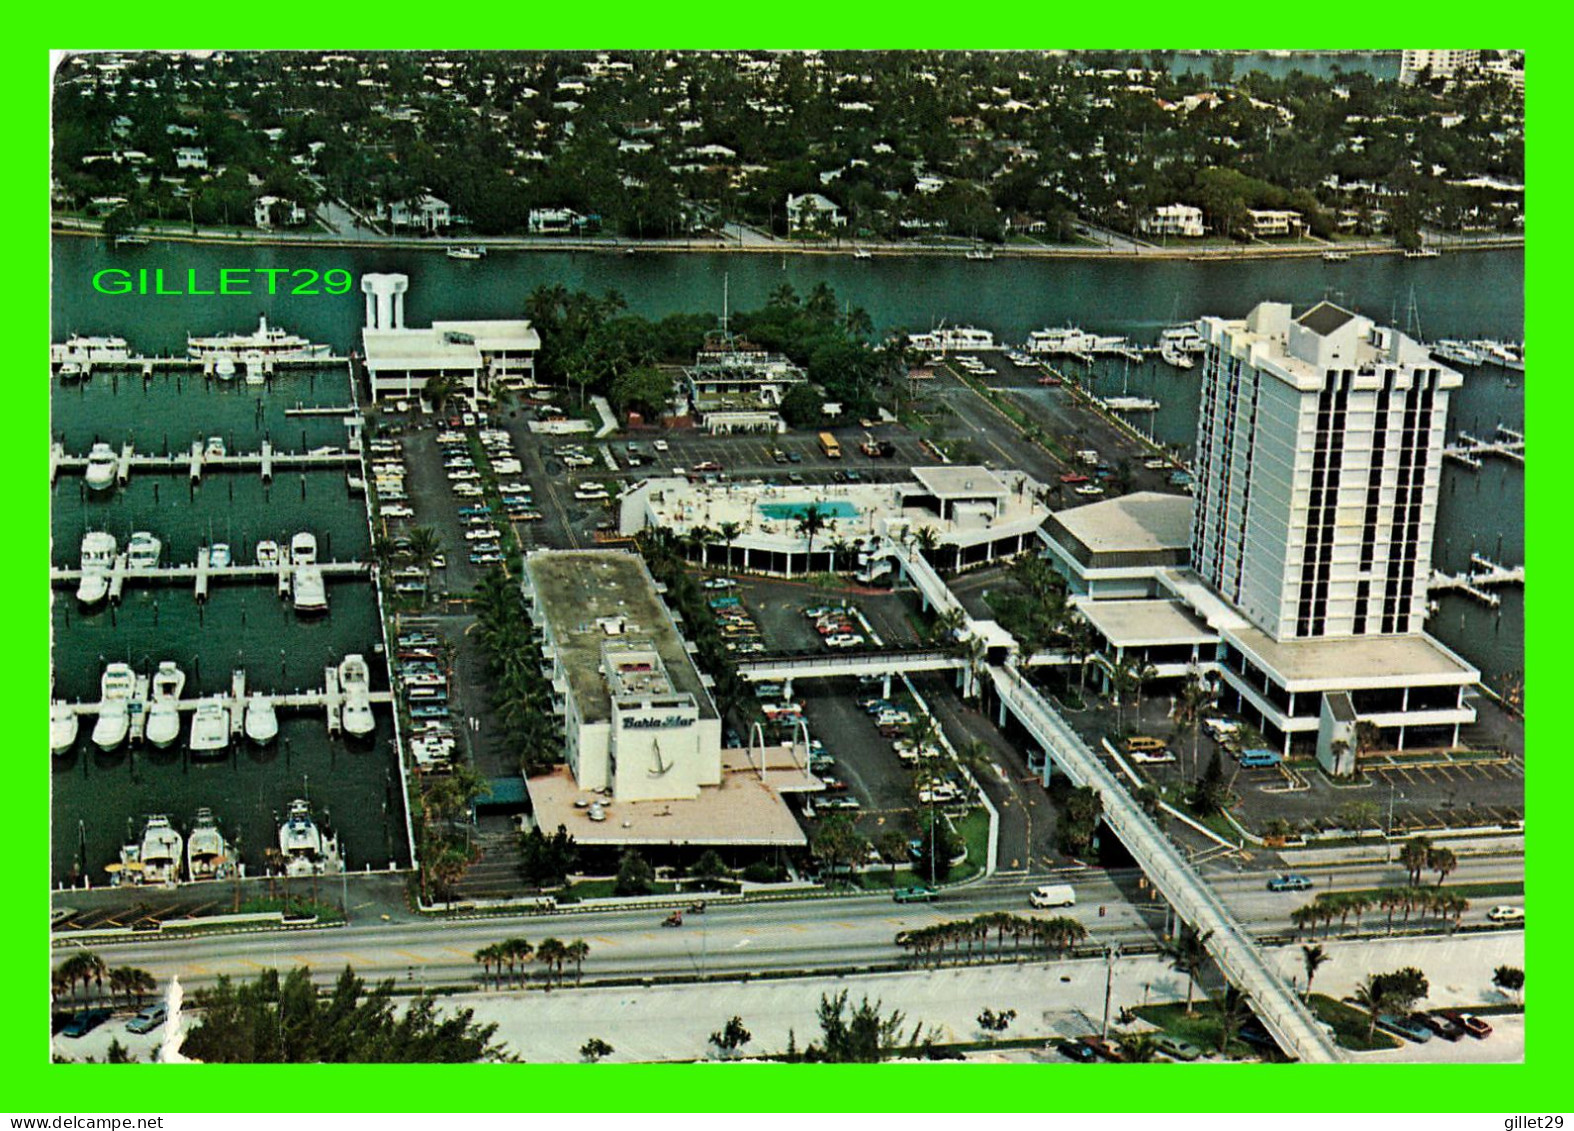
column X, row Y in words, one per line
column 1131, row 404
column 164, row 714
column 1457, row 352
column 310, row 590
column 207, row 852
column 307, row 852
column 98, row 558
column 262, row 722
column 215, row 448
column 71, row 371
column 466, row 252
column 1059, row 340
column 210, row 727
column 303, row 549
column 268, row 553
column 116, row 688
column 946, row 339
column 355, row 682
column 62, row 728
column 80, row 349
column 979, row 253
column 224, row 367
column 269, row 341
column 1186, row 338
column 1172, row 354
column 160, row 851
column 219, row 556
column 256, row 367
column 143, row 551
column 101, row 465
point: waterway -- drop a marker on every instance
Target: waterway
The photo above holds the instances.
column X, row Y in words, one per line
column 99, row 798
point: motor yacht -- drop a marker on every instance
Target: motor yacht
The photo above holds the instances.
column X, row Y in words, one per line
column 310, row 590
column 116, row 687
column 207, row 852
column 268, row 555
column 62, row 728
column 160, row 852
column 164, row 714
column 355, row 682
column 143, row 551
column 219, row 556
column 262, row 723
column 224, row 366
column 256, row 367
column 303, row 549
column 269, row 341
column 307, row 851
column 215, row 448
column 101, row 465
column 466, row 252
column 210, row 727
column 98, row 558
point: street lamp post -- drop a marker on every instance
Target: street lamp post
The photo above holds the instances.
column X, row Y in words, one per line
column 1111, row 953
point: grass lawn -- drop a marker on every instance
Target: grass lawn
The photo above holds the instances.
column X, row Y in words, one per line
column 1350, row 1025
column 1200, row 1027
column 974, row 831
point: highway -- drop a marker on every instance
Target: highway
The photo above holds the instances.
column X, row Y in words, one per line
column 733, row 939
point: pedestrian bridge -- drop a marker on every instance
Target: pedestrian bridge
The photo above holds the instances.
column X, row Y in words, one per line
column 826, row 665
column 1292, row 1024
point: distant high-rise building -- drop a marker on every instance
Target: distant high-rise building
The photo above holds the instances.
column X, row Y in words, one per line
column 1442, row 64
column 1319, row 449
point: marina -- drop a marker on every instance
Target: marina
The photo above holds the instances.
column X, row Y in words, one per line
column 220, row 703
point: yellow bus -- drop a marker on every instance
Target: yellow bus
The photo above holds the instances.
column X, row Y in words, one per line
column 829, row 446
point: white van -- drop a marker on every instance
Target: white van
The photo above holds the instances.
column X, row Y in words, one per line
column 1052, row 895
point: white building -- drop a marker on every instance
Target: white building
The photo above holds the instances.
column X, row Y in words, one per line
column 481, row 355
column 425, row 212
column 1173, row 220
column 1442, row 64
column 191, row 157
column 967, row 516
column 275, row 211
column 734, row 387
column 554, row 221
column 1274, row 222
column 812, row 212
column 642, row 736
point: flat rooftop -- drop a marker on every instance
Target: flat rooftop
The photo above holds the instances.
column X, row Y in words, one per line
column 960, row 482
column 1136, row 624
column 1146, row 521
column 419, row 349
column 581, row 592
column 742, row 810
column 1353, row 663
column 495, row 334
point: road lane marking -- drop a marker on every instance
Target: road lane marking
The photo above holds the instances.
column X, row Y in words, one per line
column 413, row 957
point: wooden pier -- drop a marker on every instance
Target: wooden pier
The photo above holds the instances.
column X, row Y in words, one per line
column 1508, row 444
column 1483, row 573
column 203, row 574
column 197, row 461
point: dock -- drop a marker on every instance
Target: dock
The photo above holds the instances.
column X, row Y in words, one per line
column 137, row 711
column 1508, row 444
column 1483, row 573
column 202, row 574
column 196, row 461
column 332, row 699
column 148, row 367
column 237, row 698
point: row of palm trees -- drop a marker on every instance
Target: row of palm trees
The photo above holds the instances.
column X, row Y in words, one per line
column 515, row 956
column 935, row 943
column 520, row 692
column 1424, row 903
column 129, row 982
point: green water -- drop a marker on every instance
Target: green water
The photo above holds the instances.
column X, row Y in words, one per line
column 98, row 797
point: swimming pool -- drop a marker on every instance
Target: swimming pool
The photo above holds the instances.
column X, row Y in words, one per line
column 781, row 512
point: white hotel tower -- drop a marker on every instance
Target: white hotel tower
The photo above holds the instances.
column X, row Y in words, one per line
column 1319, row 452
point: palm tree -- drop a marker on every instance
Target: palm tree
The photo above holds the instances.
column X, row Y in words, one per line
column 1373, row 996
column 438, row 391
column 1142, row 672
column 1194, row 699
column 549, row 953
column 1414, row 856
column 1081, row 644
column 576, row 952
column 1123, row 676
column 134, row 981
column 1189, row 950
column 1234, row 1009
column 425, row 544
column 1442, row 861
column 926, row 540
column 1140, row 1048
column 729, row 532
column 485, row 956
column 808, row 527
column 1313, row 956
column 516, row 950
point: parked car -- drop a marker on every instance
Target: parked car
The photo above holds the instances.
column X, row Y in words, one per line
column 720, row 583
column 148, row 1020
column 85, row 1022
column 1260, row 759
column 707, row 465
column 659, row 445
column 1153, row 757
column 1177, row 1049
column 917, row 893
column 1143, row 744
column 1469, row 1023
column 1079, row 1051
column 1406, row 1027
column 1290, row 881
column 1440, row 1024
column 1105, row 1049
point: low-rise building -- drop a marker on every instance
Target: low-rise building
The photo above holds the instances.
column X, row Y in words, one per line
column 425, row 212
column 191, row 157
column 811, row 213
column 736, row 387
column 276, row 212
column 1173, row 220
column 1274, row 222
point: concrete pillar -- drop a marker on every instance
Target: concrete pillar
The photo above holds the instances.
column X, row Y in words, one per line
column 1401, row 745
column 787, row 688
column 398, row 310
column 371, row 312
column 885, row 686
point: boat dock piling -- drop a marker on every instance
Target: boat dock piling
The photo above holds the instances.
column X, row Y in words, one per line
column 57, row 452
column 123, row 465
column 286, row 582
